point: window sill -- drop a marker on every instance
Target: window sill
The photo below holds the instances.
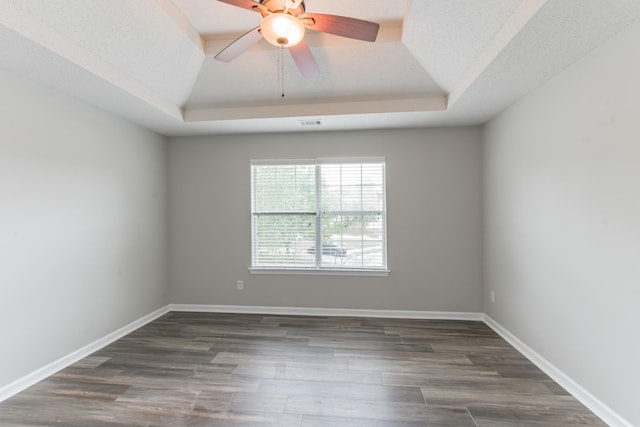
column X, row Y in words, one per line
column 319, row 271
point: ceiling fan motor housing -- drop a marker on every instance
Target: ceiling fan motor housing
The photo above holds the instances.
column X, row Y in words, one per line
column 274, row 6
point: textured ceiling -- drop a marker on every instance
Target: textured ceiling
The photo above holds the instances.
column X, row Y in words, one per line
column 435, row 63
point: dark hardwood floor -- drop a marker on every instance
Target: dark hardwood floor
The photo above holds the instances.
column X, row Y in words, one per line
column 203, row 369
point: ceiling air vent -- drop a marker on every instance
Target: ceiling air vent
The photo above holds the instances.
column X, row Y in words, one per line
column 314, row 122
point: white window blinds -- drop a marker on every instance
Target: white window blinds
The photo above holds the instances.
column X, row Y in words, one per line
column 319, row 214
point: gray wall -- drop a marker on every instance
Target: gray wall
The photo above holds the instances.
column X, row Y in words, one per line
column 434, row 221
column 82, row 225
column 562, row 197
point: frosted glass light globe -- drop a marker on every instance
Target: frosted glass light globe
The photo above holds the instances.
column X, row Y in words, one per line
column 282, row 29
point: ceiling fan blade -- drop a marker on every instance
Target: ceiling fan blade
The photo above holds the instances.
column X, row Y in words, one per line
column 239, row 45
column 342, row 26
column 245, row 4
column 304, row 59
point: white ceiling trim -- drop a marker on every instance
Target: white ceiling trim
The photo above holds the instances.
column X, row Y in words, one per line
column 26, row 26
column 556, row 36
column 436, row 103
column 511, row 28
column 182, row 22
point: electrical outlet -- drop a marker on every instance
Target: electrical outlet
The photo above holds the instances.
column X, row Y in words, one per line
column 493, row 295
column 240, row 285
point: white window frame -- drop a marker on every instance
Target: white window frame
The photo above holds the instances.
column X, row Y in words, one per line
column 320, row 269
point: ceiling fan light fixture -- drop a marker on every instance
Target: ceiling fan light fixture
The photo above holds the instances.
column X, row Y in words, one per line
column 281, row 29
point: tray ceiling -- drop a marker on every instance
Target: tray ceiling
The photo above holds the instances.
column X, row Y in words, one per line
column 435, row 63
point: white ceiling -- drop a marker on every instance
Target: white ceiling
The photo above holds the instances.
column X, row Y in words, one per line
column 435, row 63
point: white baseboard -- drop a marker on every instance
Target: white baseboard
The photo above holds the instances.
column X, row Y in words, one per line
column 28, row 380
column 339, row 312
column 587, row 399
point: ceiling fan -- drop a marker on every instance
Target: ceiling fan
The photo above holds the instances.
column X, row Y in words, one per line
column 283, row 25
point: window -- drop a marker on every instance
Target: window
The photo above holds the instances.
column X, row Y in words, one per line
column 322, row 214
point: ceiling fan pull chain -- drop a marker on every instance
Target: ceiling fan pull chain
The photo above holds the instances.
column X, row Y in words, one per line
column 281, row 68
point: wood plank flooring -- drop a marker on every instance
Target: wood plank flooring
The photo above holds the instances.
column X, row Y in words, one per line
column 204, row 369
